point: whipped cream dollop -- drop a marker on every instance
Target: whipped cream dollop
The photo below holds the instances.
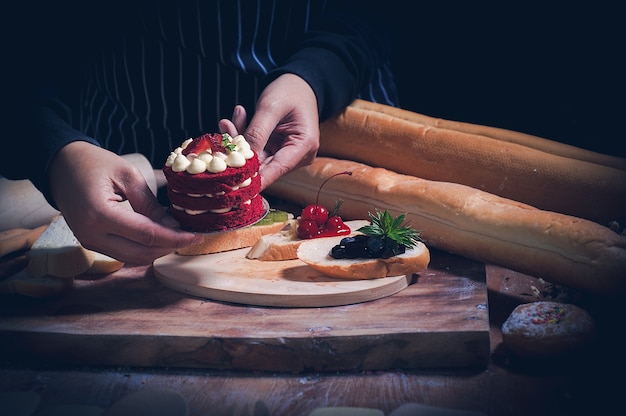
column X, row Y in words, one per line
column 236, row 153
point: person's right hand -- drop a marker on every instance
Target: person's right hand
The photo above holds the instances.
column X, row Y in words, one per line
column 88, row 185
column 284, row 130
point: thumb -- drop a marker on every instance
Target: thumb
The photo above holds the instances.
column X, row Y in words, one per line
column 144, row 202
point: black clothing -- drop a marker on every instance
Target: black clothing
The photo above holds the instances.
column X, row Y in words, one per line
column 142, row 76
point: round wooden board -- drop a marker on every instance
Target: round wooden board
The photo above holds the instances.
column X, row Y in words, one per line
column 231, row 277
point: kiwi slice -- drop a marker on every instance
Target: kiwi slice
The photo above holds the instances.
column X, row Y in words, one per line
column 274, row 215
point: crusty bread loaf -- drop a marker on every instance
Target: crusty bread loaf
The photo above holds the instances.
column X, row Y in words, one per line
column 315, row 253
column 232, row 240
column 526, row 140
column 542, row 173
column 284, row 244
column 453, row 217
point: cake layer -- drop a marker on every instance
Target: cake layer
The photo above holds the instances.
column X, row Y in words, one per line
column 240, row 216
column 215, row 201
column 212, row 183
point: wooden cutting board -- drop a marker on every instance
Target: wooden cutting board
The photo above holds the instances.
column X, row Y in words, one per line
column 130, row 319
column 231, row 277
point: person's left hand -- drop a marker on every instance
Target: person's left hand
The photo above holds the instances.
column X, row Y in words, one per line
column 284, row 130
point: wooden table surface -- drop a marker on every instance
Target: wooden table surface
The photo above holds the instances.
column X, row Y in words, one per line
column 507, row 386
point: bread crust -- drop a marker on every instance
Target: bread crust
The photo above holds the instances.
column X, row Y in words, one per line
column 284, row 244
column 539, row 172
column 57, row 252
column 473, row 223
column 315, row 253
column 230, row 240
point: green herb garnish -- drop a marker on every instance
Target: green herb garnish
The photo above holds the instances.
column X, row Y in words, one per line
column 227, row 143
column 394, row 231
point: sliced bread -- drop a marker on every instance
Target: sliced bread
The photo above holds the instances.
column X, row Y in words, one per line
column 315, row 253
column 238, row 238
column 57, row 252
column 284, row 244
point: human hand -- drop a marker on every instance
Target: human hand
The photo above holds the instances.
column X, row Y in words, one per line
column 284, row 130
column 89, row 183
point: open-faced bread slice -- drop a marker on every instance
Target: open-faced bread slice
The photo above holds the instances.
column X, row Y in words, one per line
column 284, row 244
column 238, row 238
column 315, row 253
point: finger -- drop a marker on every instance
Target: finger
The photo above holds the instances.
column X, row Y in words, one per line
column 238, row 123
column 287, row 158
column 259, row 130
column 227, row 126
column 240, row 118
column 136, row 239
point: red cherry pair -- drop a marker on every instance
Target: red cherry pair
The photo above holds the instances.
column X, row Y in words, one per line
column 315, row 220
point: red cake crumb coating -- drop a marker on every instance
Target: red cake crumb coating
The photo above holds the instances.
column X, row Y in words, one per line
column 236, row 189
column 214, row 201
column 245, row 214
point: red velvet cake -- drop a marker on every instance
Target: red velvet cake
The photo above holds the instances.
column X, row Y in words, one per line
column 213, row 183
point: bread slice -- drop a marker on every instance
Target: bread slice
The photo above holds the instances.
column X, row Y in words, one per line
column 57, row 252
column 19, row 239
column 233, row 239
column 315, row 253
column 284, row 244
column 35, row 287
column 103, row 264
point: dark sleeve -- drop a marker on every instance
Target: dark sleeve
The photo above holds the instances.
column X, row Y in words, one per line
column 36, row 122
column 340, row 57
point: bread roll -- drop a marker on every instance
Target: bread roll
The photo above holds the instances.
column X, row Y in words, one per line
column 548, row 329
column 539, row 172
column 470, row 222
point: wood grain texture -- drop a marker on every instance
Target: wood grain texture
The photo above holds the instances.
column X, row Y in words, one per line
column 231, row 277
column 129, row 318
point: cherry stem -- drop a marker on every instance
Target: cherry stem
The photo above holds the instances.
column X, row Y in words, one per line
column 345, row 172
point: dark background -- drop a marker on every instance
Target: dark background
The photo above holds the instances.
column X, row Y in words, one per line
column 548, row 71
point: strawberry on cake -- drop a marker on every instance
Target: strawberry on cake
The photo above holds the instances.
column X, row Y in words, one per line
column 213, row 183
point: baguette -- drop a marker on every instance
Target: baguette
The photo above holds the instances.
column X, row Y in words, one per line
column 527, row 140
column 284, row 244
column 315, row 253
column 545, row 174
column 233, row 239
column 473, row 223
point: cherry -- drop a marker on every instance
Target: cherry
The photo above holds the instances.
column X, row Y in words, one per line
column 335, row 226
column 307, row 229
column 316, row 213
column 318, row 216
